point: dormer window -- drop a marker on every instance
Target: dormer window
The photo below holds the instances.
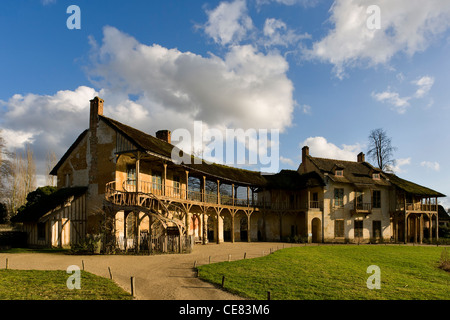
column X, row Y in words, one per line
column 376, row 176
column 339, row 173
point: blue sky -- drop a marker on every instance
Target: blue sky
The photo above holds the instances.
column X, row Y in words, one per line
column 310, row 68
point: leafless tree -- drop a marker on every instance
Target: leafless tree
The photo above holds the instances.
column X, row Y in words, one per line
column 51, row 162
column 22, row 179
column 381, row 150
column 5, row 169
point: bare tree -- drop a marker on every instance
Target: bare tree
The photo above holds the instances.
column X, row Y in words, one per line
column 30, row 171
column 5, row 169
column 51, row 162
column 381, row 150
column 22, row 179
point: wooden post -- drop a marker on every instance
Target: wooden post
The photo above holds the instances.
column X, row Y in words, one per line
column 232, row 223
column 437, row 222
column 6, row 263
column 133, row 289
column 406, row 221
column 245, row 255
column 223, row 281
column 187, row 185
column 268, row 295
column 203, row 186
column 209, row 259
column 138, row 164
column 232, row 195
column 218, row 199
column 248, row 228
column 125, row 214
column 165, row 179
column 110, row 273
column 82, row 264
column 229, row 257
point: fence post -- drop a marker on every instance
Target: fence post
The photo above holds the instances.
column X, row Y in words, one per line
column 6, row 263
column 268, row 295
column 133, row 290
column 110, row 273
column 223, row 281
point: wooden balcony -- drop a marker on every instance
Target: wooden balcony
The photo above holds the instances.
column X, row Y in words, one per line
column 420, row 207
column 362, row 208
column 127, row 195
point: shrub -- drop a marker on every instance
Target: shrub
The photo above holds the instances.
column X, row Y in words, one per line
column 444, row 263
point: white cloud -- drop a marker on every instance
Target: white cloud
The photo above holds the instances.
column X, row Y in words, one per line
column 321, row 148
column 287, row 161
column 425, row 83
column 242, row 90
column 276, row 33
column 407, row 26
column 306, row 109
column 229, row 22
column 304, row 3
column 399, row 163
column 48, row 2
column 431, row 165
column 400, row 104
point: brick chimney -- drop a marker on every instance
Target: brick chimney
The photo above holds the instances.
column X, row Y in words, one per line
column 361, row 158
column 96, row 110
column 164, row 135
column 305, row 154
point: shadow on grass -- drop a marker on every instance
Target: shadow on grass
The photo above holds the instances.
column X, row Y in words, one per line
column 37, row 250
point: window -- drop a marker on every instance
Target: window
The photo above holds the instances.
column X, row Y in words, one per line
column 339, row 228
column 358, row 228
column 157, row 182
column 376, row 176
column 315, row 201
column 41, row 231
column 359, row 199
column 339, row 173
column 131, row 175
column 176, row 185
column 339, row 197
column 376, row 228
column 376, row 199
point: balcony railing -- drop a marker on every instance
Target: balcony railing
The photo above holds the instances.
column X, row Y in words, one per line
column 363, row 206
column 126, row 194
column 421, row 207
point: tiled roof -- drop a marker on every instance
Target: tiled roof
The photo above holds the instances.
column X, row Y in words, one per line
column 353, row 172
column 48, row 203
column 413, row 188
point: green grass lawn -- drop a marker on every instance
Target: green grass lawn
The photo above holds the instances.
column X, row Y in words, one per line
column 51, row 285
column 336, row 272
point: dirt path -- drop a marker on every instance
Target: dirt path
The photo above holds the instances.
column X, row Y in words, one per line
column 159, row 277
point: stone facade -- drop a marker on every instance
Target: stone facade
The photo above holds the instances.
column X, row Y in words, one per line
column 326, row 201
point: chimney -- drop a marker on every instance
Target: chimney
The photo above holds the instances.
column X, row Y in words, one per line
column 164, row 135
column 96, row 110
column 305, row 154
column 361, row 158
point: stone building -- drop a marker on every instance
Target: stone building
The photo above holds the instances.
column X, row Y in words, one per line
column 120, row 184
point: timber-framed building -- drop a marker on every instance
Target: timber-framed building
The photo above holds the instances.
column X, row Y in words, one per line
column 120, row 185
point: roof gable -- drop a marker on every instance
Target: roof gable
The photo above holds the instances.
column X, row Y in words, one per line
column 69, row 151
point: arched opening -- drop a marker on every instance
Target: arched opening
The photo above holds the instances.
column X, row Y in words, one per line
column 316, row 230
column 227, row 227
column 243, row 227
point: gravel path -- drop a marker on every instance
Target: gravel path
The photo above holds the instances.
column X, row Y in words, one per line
column 158, row 277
